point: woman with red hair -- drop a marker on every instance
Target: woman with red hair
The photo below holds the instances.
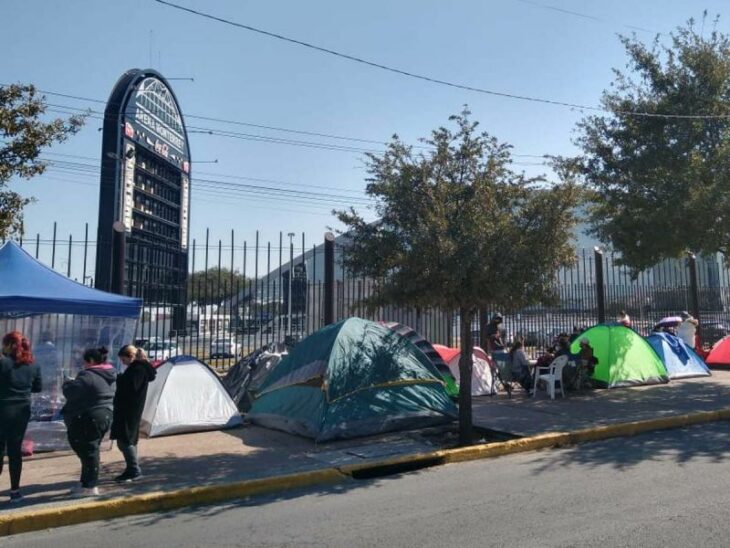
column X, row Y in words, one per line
column 19, row 376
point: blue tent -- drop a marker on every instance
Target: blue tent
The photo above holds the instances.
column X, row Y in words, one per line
column 679, row 359
column 29, row 287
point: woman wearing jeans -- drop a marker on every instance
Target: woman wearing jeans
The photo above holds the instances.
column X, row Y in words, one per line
column 128, row 406
column 88, row 413
column 19, row 376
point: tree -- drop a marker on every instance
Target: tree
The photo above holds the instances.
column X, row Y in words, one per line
column 24, row 136
column 659, row 162
column 214, row 285
column 458, row 229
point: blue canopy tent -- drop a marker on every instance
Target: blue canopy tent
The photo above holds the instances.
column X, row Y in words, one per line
column 680, row 360
column 29, row 287
column 62, row 318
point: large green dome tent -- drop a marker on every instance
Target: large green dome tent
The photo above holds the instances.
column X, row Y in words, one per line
column 624, row 357
column 353, row 378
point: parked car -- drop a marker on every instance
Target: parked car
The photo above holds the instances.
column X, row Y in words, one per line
column 161, row 350
column 224, row 348
column 542, row 337
column 713, row 332
column 146, row 342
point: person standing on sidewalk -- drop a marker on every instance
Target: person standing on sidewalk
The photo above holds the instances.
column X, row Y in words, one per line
column 88, row 414
column 624, row 319
column 128, row 406
column 687, row 330
column 19, row 376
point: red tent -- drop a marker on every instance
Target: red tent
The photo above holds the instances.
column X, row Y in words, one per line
column 447, row 354
column 719, row 356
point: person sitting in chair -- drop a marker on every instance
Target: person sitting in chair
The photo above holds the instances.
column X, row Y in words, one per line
column 571, row 369
column 520, row 365
column 587, row 364
column 546, row 358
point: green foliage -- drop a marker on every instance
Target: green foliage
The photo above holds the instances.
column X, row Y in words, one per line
column 214, row 286
column 458, row 228
column 660, row 184
column 24, row 136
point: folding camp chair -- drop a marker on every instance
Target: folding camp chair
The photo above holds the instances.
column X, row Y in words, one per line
column 502, row 373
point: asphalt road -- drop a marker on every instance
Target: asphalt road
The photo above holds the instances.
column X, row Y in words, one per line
column 664, row 489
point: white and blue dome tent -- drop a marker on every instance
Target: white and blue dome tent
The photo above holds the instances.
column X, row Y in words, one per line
column 187, row 396
column 680, row 360
column 61, row 318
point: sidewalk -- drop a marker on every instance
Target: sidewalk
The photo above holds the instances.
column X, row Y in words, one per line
column 532, row 416
column 205, row 458
column 252, row 452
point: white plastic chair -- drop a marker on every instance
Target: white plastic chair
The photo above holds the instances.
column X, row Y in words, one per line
column 554, row 376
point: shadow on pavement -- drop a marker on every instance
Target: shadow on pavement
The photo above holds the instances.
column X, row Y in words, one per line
column 528, row 416
column 193, row 514
column 682, row 445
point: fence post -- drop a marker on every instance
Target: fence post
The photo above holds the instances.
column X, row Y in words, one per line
column 600, row 288
column 329, row 278
column 694, row 292
column 450, row 329
column 118, row 258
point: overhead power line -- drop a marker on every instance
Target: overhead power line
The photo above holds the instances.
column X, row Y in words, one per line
column 98, row 115
column 94, row 168
column 311, row 209
column 231, row 122
column 431, row 79
column 582, row 15
column 228, row 186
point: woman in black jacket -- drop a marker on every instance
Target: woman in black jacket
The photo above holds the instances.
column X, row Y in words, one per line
column 88, row 413
column 128, row 406
column 19, row 376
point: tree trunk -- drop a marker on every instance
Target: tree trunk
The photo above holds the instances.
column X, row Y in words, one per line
column 465, row 367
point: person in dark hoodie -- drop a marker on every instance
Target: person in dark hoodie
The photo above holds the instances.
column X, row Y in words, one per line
column 88, row 413
column 19, row 376
column 128, row 406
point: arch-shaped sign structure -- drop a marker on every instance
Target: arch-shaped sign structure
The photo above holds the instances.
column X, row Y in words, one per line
column 145, row 184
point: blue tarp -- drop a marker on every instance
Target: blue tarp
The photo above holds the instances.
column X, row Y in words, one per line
column 679, row 359
column 29, row 287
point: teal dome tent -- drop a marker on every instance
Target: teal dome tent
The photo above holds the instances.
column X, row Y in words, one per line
column 353, row 378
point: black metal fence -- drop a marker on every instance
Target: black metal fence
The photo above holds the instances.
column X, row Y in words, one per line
column 243, row 294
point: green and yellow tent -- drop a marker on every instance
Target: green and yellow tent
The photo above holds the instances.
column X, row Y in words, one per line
column 353, row 378
column 624, row 357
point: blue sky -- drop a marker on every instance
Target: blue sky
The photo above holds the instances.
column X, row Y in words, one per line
column 81, row 47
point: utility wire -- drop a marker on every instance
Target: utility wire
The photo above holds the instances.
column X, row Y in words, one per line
column 95, row 115
column 195, row 196
column 337, row 199
column 276, row 140
column 430, row 78
column 224, row 121
column 94, row 168
column 98, row 115
column 318, row 206
column 582, row 15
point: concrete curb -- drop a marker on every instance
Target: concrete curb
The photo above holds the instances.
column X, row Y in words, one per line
column 26, row 521
column 35, row 520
